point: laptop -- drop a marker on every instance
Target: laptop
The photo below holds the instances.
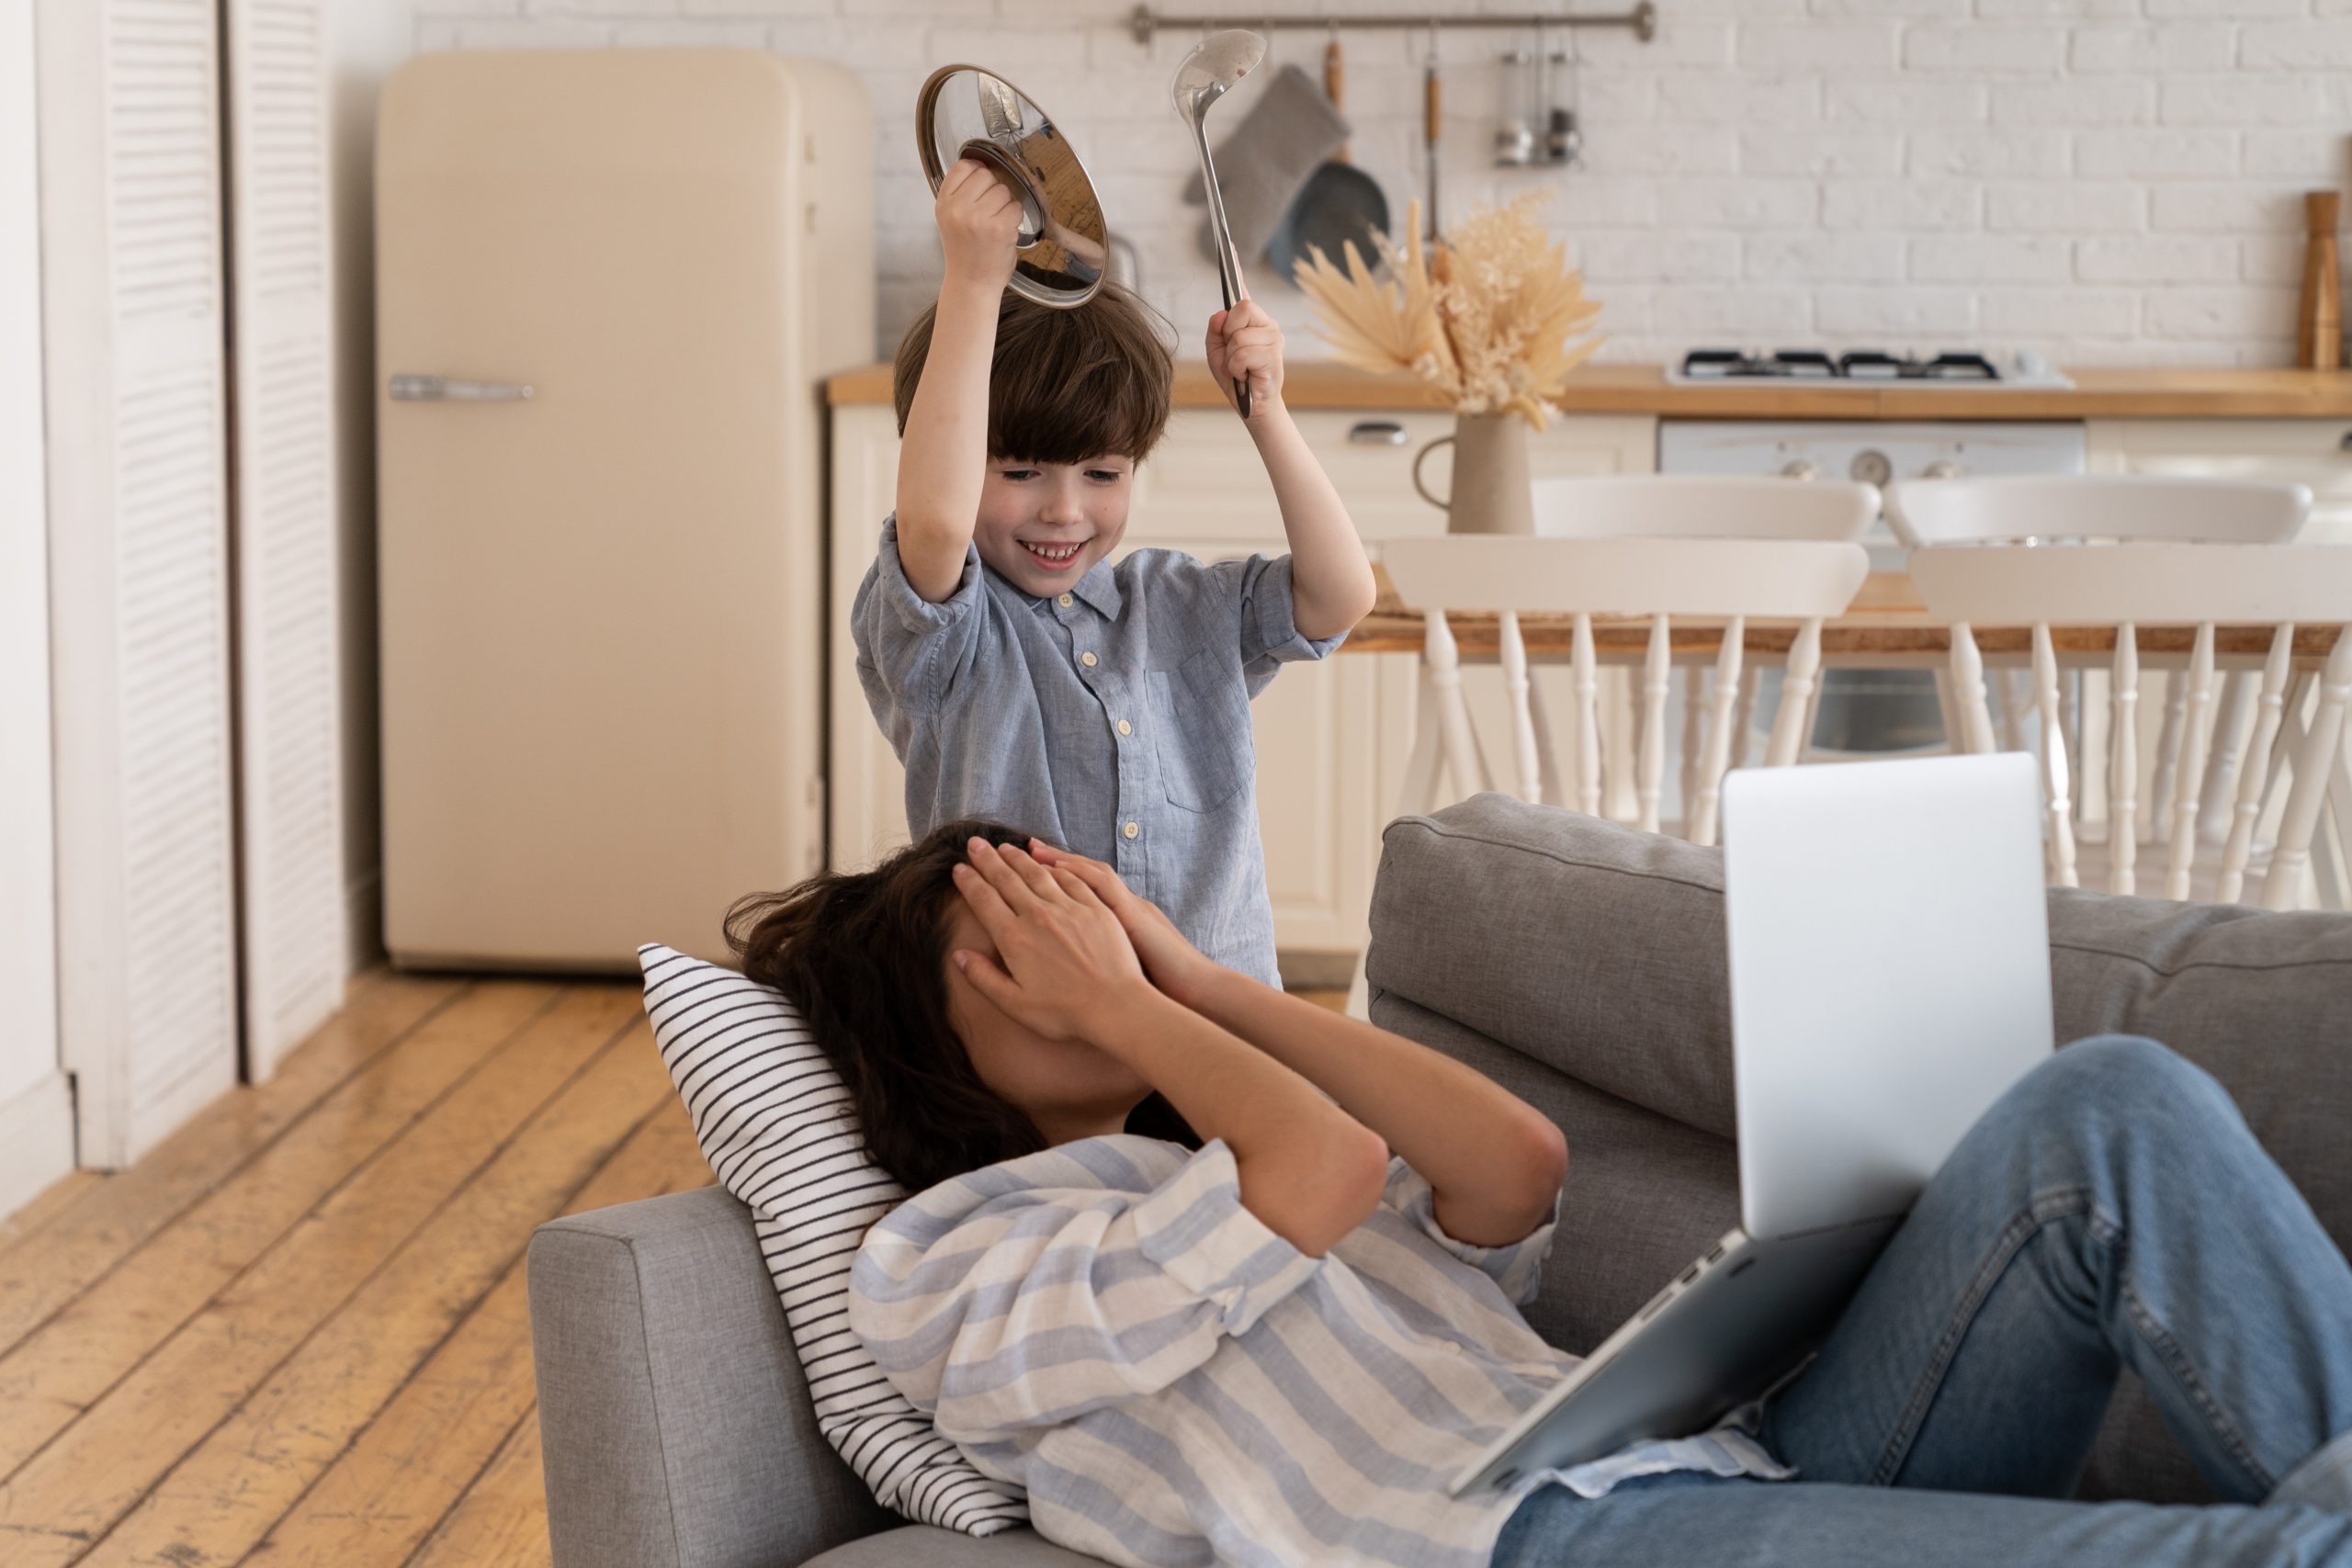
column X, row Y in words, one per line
column 1890, row 979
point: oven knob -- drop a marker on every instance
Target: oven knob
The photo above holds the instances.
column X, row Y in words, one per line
column 1797, row 468
column 1942, row 469
column 1871, row 467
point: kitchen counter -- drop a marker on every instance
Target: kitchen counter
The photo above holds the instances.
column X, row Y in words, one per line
column 1643, row 390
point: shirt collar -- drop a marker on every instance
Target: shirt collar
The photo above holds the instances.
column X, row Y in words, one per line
column 1099, row 588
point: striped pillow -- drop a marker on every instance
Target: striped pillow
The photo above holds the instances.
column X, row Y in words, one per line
column 775, row 1121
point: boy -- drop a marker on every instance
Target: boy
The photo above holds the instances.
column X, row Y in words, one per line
column 1021, row 677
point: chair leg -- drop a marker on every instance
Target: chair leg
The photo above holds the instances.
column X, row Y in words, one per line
column 1694, row 695
column 1649, row 780
column 2254, row 775
column 1426, row 762
column 2225, row 753
column 2166, row 782
column 1586, row 676
column 1700, row 819
column 1743, row 717
column 1968, row 690
column 2316, row 762
column 2056, row 777
column 1796, row 697
column 2189, row 773
column 1527, row 772
column 2123, row 764
column 1460, row 741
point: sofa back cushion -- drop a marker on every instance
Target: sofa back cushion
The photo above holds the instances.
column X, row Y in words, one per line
column 775, row 1121
column 1599, row 950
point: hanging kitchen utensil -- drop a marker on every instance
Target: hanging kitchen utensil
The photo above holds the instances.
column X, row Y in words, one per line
column 1563, row 137
column 965, row 112
column 1429, row 131
column 1208, row 73
column 1339, row 203
column 1517, row 110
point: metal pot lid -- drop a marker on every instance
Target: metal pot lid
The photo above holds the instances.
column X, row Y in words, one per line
column 965, row 112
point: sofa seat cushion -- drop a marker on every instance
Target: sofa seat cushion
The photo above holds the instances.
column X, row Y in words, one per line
column 924, row 1546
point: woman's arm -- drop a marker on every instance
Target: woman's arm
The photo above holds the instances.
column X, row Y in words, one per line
column 1331, row 581
column 944, row 453
column 1495, row 1162
column 1309, row 1171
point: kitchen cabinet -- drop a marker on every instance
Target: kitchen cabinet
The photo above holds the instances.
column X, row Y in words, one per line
column 1331, row 737
column 2315, row 451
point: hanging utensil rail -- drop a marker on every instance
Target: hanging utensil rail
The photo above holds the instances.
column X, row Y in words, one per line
column 1642, row 19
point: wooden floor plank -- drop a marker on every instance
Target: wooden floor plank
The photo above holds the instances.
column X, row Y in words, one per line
column 502, row 1520
column 48, row 1268
column 379, row 1501
column 59, row 1371
column 47, row 1204
column 282, row 1435
column 229, row 1355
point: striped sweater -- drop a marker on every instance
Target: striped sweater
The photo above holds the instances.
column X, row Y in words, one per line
column 1104, row 1324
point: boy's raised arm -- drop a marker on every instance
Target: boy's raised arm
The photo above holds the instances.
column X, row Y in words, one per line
column 945, row 450
column 1331, row 581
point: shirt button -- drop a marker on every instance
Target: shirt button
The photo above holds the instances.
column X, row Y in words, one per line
column 1087, row 659
column 1063, row 600
column 1132, row 829
column 1126, row 728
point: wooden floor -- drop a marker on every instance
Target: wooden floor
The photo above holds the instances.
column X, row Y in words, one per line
column 296, row 1333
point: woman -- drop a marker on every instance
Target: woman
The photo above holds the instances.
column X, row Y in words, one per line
column 1275, row 1346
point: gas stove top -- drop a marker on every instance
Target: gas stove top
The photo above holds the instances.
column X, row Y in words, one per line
column 1866, row 367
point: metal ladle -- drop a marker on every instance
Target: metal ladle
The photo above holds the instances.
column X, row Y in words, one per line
column 1208, row 73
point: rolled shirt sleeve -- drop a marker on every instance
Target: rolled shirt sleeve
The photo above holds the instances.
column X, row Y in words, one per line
column 1030, row 1292
column 912, row 649
column 1517, row 1270
column 1260, row 587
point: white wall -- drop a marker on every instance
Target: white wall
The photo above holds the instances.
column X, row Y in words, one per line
column 36, row 1115
column 2114, row 181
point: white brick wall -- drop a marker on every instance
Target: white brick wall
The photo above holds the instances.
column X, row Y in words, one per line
column 2110, row 181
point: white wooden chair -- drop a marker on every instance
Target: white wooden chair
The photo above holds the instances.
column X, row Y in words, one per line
column 2127, row 586
column 1805, row 580
column 2098, row 507
column 1703, row 506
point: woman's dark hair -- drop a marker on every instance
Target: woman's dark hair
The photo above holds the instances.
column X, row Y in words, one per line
column 1066, row 384
column 860, row 954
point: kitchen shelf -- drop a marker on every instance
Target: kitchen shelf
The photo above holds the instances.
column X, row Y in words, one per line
column 1642, row 19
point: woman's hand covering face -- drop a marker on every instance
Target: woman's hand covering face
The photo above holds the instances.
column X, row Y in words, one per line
column 1064, row 963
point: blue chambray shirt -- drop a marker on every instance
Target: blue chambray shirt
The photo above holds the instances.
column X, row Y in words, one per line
column 1112, row 719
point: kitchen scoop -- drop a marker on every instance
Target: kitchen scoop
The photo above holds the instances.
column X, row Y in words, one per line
column 1063, row 247
column 1207, row 74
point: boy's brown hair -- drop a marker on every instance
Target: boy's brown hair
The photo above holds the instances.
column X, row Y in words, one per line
column 1066, row 384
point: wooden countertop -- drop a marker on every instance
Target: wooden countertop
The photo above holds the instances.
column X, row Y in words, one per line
column 1886, row 622
column 1643, row 390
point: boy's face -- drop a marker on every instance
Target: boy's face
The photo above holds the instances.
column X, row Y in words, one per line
column 1043, row 526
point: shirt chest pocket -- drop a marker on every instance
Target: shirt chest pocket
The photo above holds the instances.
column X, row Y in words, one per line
column 1200, row 729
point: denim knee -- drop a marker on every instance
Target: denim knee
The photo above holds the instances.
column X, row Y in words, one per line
column 2122, row 1080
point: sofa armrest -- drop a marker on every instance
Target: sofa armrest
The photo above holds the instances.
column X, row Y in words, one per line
column 673, row 1418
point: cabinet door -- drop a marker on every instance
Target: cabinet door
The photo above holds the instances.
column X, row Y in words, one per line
column 2312, row 452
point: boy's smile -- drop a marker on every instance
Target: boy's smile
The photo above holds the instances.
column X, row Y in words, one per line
column 1042, row 526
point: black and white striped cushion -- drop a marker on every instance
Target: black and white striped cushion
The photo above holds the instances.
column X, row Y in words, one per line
column 775, row 1121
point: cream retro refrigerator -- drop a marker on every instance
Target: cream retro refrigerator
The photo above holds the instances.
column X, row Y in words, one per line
column 610, row 284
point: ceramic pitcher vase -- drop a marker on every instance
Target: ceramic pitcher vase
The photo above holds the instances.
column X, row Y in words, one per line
column 1490, row 494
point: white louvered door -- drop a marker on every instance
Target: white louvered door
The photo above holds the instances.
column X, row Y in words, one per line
column 291, row 794
column 134, row 318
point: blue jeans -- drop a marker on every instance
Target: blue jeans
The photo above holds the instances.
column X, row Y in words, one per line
column 2111, row 1210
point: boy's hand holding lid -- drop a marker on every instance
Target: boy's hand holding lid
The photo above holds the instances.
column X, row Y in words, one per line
column 978, row 222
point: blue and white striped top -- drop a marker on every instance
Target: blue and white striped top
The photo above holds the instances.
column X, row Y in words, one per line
column 1105, row 1325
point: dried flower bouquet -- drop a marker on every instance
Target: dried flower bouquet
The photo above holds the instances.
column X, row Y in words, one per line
column 1486, row 317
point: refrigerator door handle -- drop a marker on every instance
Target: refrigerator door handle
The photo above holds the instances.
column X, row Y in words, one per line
column 453, row 390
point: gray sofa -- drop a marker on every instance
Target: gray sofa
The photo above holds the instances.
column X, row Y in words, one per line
column 1580, row 964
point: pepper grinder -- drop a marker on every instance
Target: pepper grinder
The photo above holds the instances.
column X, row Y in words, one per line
column 2319, row 326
